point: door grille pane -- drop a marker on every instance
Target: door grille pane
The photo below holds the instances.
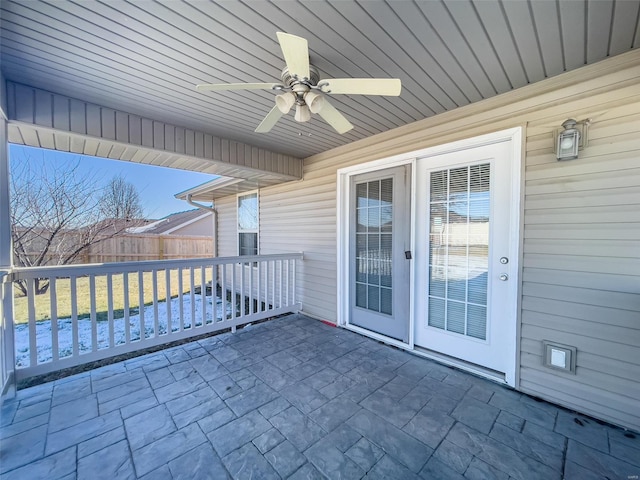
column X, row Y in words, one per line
column 459, row 249
column 374, row 237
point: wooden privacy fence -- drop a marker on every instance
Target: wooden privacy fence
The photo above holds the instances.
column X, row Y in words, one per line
column 139, row 247
column 134, row 247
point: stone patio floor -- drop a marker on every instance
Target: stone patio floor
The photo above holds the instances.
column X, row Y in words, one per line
column 294, row 398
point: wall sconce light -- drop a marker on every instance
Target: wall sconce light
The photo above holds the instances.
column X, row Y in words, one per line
column 571, row 139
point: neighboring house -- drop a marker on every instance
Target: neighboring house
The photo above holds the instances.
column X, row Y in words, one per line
column 546, row 300
column 190, row 222
column 179, row 235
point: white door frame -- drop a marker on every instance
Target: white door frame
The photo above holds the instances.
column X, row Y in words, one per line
column 512, row 135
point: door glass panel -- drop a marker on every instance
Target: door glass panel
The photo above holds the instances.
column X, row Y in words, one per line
column 458, row 249
column 374, row 237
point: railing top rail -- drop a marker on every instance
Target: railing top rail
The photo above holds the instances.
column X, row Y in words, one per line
column 23, row 273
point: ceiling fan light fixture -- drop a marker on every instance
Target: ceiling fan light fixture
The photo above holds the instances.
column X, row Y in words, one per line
column 285, row 101
column 314, row 101
column 303, row 114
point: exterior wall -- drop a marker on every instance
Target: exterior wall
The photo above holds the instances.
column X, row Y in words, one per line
column 581, row 257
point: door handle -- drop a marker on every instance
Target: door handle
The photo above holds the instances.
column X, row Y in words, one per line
column 504, row 277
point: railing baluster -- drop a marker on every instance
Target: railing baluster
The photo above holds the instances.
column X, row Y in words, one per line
column 53, row 302
column 293, row 281
column 242, row 306
column 273, row 284
column 167, row 279
column 154, row 280
column 250, row 288
column 288, row 285
column 180, row 301
column 203, row 294
column 258, row 288
column 92, row 317
column 266, row 285
column 125, row 294
column 214, row 293
column 31, row 305
column 193, row 298
column 141, row 305
column 112, row 341
column 280, row 283
column 233, row 290
column 75, row 341
column 223, row 291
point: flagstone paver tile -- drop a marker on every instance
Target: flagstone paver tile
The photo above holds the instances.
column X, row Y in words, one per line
column 401, row 446
column 154, row 455
column 389, row 469
column 236, row 433
column 285, row 458
column 201, row 463
column 247, row 463
column 109, row 463
column 54, row 466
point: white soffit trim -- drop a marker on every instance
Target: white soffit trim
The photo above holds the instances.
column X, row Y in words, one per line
column 208, row 187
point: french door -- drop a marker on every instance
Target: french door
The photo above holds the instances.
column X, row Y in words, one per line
column 465, row 255
column 379, row 257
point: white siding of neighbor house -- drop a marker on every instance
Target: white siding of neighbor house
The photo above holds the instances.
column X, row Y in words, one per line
column 200, row 227
column 581, row 228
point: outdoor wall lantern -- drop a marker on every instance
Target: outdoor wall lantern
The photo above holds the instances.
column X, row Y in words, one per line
column 571, row 139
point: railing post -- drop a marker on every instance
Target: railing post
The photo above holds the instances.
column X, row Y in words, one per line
column 7, row 346
column 7, row 354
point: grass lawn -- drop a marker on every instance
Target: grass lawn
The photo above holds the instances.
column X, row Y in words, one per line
column 63, row 291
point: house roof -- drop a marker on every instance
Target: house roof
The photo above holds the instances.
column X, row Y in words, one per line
column 171, row 222
column 216, row 188
column 144, row 58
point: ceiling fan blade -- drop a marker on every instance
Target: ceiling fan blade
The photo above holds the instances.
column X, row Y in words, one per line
column 296, row 54
column 219, row 87
column 269, row 121
column 363, row 86
column 334, row 118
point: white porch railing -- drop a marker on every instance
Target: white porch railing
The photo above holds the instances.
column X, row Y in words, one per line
column 92, row 312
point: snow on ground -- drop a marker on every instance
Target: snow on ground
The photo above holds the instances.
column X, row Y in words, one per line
column 65, row 335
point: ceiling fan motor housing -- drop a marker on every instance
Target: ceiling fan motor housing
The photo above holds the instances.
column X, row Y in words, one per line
column 289, row 80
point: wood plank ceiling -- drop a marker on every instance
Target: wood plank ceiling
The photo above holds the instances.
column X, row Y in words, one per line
column 145, row 57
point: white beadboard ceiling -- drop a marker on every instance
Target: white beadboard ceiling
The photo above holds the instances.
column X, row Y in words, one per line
column 144, row 57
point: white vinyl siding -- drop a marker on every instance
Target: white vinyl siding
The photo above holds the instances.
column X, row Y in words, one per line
column 581, row 276
column 581, row 225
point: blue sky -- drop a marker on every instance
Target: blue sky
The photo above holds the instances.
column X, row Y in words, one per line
column 156, row 185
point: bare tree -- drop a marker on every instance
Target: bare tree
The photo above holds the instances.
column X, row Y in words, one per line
column 56, row 214
column 121, row 200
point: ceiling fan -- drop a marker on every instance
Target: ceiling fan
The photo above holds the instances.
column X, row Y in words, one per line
column 301, row 86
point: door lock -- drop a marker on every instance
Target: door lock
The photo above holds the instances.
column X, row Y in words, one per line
column 407, row 255
column 504, row 260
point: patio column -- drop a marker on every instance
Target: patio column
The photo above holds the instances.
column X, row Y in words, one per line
column 7, row 360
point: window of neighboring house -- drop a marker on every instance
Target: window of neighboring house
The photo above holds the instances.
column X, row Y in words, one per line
column 248, row 224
